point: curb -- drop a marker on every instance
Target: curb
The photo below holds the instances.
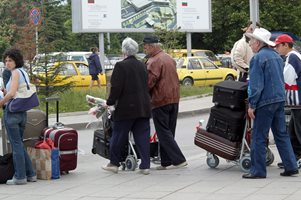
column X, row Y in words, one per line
column 184, row 114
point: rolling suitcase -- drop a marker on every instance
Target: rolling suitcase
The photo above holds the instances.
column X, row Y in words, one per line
column 227, row 123
column 64, row 138
column 217, row 145
column 230, row 94
column 101, row 144
column 36, row 123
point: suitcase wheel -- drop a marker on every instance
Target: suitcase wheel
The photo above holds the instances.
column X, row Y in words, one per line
column 93, row 150
column 269, row 157
column 245, row 164
column 131, row 162
column 212, row 160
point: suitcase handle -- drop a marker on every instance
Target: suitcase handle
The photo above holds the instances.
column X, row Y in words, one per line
column 225, row 90
column 47, row 100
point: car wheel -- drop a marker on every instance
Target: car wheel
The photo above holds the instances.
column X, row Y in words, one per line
column 187, row 82
column 229, row 78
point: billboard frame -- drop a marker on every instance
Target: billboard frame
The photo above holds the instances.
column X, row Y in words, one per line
column 77, row 22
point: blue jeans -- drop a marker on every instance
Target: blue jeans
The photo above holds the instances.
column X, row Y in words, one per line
column 15, row 125
column 140, row 128
column 266, row 117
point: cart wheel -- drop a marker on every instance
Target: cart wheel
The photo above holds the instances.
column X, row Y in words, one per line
column 245, row 164
column 93, row 150
column 123, row 166
column 130, row 163
column 269, row 157
column 212, row 161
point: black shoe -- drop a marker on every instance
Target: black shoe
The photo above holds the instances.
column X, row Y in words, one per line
column 289, row 173
column 280, row 165
column 250, row 176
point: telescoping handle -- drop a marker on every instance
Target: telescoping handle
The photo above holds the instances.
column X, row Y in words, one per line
column 50, row 99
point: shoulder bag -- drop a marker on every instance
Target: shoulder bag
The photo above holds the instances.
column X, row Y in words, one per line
column 25, row 99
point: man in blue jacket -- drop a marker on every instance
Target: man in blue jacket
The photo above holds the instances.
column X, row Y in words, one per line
column 266, row 106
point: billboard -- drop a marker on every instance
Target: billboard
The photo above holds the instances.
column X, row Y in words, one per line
column 141, row 15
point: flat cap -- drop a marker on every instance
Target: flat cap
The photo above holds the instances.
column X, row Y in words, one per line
column 150, row 40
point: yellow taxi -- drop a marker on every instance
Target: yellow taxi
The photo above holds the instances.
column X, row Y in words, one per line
column 76, row 72
column 201, row 71
column 177, row 53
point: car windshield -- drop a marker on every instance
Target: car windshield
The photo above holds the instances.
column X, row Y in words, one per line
column 180, row 62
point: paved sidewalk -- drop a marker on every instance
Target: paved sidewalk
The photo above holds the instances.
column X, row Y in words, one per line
column 194, row 182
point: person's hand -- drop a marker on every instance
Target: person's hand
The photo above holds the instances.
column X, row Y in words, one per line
column 251, row 113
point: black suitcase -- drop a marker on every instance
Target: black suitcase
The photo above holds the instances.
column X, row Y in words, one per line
column 230, row 94
column 217, row 145
column 101, row 144
column 227, row 123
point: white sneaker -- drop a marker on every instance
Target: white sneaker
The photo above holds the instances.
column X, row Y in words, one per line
column 183, row 164
column 144, row 171
column 111, row 168
column 160, row 167
column 15, row 181
column 32, row 179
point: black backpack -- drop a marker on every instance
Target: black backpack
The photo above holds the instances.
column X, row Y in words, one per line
column 6, row 168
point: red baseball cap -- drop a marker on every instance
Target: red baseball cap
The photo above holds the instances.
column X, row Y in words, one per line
column 283, row 38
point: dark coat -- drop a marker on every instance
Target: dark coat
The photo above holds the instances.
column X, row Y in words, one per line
column 94, row 64
column 129, row 90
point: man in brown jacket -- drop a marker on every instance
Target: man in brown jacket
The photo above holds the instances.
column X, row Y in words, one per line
column 163, row 83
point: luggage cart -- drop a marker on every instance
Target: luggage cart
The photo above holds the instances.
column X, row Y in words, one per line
column 130, row 158
column 237, row 153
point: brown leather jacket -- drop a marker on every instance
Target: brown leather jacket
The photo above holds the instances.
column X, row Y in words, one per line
column 163, row 81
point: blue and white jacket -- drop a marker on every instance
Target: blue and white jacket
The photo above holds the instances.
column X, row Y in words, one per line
column 292, row 78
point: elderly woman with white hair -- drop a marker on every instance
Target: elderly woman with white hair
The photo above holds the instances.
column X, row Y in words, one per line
column 129, row 94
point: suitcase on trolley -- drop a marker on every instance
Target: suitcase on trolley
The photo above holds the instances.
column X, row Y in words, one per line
column 64, row 138
column 231, row 94
column 101, row 144
column 227, row 123
column 217, row 145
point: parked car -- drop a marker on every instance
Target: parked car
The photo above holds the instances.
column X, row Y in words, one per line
column 82, row 56
column 76, row 71
column 201, row 71
column 177, row 53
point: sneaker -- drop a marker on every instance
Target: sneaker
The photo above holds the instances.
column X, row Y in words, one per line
column 32, row 179
column 111, row 168
column 289, row 173
column 15, row 181
column 144, row 171
column 183, row 164
column 161, row 167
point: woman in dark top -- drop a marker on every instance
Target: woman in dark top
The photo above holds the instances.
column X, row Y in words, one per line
column 94, row 67
column 129, row 94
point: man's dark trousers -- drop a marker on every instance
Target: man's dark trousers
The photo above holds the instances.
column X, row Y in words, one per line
column 295, row 131
column 165, row 120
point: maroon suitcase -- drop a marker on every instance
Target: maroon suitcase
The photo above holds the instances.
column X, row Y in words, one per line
column 64, row 138
column 217, row 145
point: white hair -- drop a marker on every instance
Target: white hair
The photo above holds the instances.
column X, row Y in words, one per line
column 129, row 47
